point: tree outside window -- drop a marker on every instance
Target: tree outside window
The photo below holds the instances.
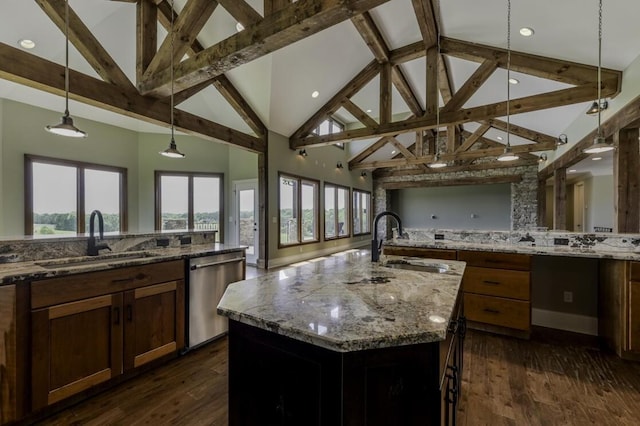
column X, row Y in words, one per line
column 298, row 210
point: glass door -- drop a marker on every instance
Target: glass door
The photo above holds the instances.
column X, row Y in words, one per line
column 246, row 219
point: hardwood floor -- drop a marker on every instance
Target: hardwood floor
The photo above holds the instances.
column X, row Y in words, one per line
column 506, row 381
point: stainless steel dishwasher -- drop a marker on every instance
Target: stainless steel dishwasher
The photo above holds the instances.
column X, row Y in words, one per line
column 208, row 279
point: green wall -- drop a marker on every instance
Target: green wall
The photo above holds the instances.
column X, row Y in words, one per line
column 22, row 132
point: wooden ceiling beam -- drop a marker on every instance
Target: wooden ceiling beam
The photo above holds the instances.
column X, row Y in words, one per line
column 369, row 150
column 350, row 89
column 221, row 82
column 404, row 88
column 471, row 86
column 296, row 22
column 271, row 6
column 358, row 113
column 487, row 165
column 472, row 138
column 242, row 11
column 426, row 21
column 186, row 27
column 467, row 155
column 405, row 152
column 432, row 183
column 523, row 132
column 30, row 70
column 553, row 99
column 146, row 36
column 371, row 35
column 85, row 42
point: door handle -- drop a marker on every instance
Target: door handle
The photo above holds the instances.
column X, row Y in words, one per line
column 129, row 313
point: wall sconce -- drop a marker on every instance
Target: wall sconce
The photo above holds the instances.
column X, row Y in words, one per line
column 339, row 165
column 542, row 158
column 562, row 139
column 593, row 110
column 363, row 174
column 303, row 152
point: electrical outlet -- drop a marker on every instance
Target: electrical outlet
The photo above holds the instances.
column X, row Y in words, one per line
column 568, row 297
column 560, row 241
column 438, row 236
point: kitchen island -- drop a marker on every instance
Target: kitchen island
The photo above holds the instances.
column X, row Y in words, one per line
column 343, row 341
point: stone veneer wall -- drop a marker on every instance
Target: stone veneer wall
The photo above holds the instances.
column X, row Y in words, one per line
column 523, row 194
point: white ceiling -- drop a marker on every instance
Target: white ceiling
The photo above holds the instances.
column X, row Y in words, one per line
column 279, row 85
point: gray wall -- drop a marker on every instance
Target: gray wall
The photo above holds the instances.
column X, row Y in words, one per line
column 453, row 206
column 598, row 198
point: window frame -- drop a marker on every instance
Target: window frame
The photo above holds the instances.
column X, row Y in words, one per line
column 80, row 167
column 348, row 219
column 316, row 200
column 190, row 214
column 355, row 191
column 332, row 122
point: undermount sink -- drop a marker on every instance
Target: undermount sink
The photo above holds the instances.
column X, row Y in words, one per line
column 438, row 268
column 93, row 260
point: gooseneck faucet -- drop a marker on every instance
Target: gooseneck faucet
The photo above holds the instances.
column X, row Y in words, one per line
column 93, row 249
column 375, row 247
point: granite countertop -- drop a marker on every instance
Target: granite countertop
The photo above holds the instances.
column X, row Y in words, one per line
column 47, row 268
column 524, row 248
column 347, row 303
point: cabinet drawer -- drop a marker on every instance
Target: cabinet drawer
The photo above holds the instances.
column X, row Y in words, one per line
column 486, row 259
column 635, row 271
column 497, row 282
column 498, row 311
column 421, row 252
column 81, row 286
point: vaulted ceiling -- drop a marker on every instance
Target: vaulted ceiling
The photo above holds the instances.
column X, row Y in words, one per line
column 373, row 63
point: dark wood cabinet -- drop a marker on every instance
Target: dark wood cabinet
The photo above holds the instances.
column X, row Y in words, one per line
column 276, row 380
column 79, row 344
column 634, row 316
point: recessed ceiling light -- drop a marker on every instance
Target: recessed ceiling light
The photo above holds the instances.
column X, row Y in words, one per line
column 239, row 27
column 596, row 158
column 514, row 81
column 370, row 111
column 315, row 94
column 526, row 31
column 499, row 138
column 393, row 152
column 27, row 44
column 572, row 170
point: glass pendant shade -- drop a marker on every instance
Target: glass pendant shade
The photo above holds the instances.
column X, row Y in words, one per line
column 66, row 128
column 172, row 151
column 437, row 163
column 508, row 155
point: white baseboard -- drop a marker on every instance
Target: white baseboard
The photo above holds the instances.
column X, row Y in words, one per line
column 288, row 260
column 564, row 321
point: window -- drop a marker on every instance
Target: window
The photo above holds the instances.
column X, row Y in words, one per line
column 189, row 201
column 328, row 127
column 61, row 194
column 298, row 210
column 336, row 211
column 361, row 209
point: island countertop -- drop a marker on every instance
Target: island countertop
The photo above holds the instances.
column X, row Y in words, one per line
column 347, row 303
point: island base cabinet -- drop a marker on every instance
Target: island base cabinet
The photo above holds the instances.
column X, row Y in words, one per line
column 275, row 380
column 75, row 346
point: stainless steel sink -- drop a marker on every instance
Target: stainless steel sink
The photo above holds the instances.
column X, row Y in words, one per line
column 438, row 268
column 93, row 260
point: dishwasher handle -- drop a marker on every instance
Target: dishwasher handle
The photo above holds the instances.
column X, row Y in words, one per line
column 221, row 262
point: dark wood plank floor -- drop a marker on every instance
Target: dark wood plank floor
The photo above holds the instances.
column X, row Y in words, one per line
column 506, row 382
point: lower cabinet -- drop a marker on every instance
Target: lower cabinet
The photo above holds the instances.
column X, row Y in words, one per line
column 79, row 344
column 634, row 316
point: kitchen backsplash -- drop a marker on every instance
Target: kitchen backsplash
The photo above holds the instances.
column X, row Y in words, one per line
column 29, row 249
column 570, row 240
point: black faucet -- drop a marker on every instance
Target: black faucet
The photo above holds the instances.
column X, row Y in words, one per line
column 375, row 247
column 93, row 249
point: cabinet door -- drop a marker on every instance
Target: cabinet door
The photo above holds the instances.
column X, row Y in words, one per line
column 74, row 347
column 634, row 316
column 154, row 322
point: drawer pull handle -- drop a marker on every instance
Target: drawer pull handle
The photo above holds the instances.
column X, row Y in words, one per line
column 491, row 311
column 492, row 282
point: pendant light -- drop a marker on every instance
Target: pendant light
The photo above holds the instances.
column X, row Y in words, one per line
column 66, row 127
column 508, row 154
column 172, row 151
column 437, row 163
column 599, row 142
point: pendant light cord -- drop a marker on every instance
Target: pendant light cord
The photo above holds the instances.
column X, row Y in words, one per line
column 599, row 67
column 509, row 68
column 437, row 16
column 66, row 58
column 172, row 13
